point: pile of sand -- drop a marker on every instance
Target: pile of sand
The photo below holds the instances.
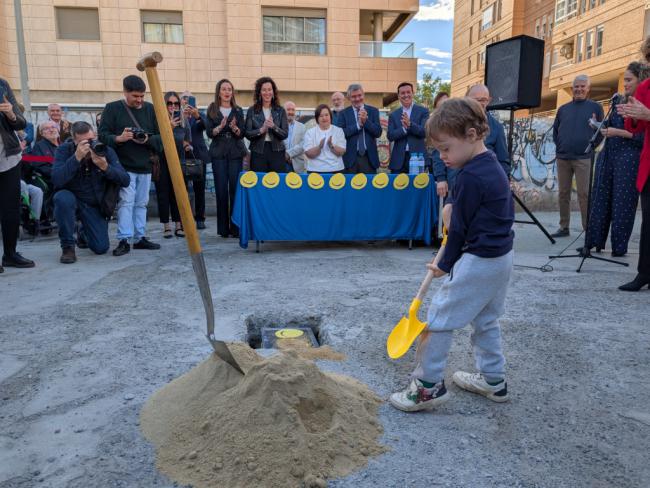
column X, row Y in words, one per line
column 305, row 350
column 284, row 424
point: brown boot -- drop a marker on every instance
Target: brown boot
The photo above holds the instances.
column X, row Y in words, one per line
column 68, row 256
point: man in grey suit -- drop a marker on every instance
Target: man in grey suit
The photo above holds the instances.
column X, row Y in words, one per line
column 294, row 153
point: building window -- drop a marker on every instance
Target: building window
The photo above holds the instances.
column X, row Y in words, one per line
column 580, row 39
column 471, row 34
column 589, row 44
column 162, row 27
column 482, row 57
column 79, row 24
column 583, row 6
column 294, row 31
column 599, row 39
column 547, row 64
column 469, row 66
column 592, row 4
column 565, row 9
column 499, row 4
column 538, row 32
column 472, row 8
column 488, row 18
column 544, row 27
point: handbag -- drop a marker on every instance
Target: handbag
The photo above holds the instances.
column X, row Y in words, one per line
column 192, row 167
column 110, row 199
column 154, row 158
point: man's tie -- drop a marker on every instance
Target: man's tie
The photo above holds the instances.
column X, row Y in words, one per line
column 361, row 142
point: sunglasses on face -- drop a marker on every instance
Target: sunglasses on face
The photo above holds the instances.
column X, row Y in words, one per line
column 173, row 104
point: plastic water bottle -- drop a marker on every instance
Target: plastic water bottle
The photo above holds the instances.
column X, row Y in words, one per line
column 416, row 164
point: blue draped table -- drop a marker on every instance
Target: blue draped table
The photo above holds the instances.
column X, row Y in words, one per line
column 267, row 209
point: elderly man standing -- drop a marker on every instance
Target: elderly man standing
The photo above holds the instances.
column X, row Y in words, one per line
column 55, row 114
column 495, row 141
column 338, row 105
column 571, row 133
column 361, row 126
column 294, row 154
column 406, row 129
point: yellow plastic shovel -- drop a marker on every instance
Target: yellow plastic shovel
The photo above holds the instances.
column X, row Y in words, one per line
column 409, row 328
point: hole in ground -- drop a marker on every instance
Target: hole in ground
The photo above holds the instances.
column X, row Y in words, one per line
column 256, row 325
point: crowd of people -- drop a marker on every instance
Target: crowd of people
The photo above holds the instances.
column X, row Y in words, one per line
column 124, row 154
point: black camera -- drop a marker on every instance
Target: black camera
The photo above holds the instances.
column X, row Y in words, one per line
column 98, row 148
column 138, row 134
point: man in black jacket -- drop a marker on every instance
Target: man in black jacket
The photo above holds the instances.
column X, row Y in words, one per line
column 11, row 120
column 80, row 174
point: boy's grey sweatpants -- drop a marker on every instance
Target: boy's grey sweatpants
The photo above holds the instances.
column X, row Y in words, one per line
column 474, row 292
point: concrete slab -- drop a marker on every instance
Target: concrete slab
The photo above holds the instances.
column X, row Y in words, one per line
column 82, row 346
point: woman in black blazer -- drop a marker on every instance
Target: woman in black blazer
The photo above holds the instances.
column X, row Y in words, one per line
column 267, row 128
column 224, row 123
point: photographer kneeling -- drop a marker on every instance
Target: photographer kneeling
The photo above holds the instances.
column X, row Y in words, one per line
column 82, row 169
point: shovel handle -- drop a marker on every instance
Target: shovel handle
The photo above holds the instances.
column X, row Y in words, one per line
column 424, row 287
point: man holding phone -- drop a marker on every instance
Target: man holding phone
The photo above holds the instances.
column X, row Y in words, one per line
column 129, row 127
column 572, row 131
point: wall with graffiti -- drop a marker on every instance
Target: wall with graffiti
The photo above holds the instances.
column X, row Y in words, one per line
column 534, row 169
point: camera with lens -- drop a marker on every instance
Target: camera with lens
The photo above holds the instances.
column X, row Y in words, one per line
column 98, row 148
column 138, row 134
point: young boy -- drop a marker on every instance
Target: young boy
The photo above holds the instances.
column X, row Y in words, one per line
column 477, row 261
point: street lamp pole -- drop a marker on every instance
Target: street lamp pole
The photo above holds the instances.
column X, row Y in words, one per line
column 22, row 57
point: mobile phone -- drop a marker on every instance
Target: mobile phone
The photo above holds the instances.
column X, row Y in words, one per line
column 176, row 114
column 3, row 94
column 191, row 101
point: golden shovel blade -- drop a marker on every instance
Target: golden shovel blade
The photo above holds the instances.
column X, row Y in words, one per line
column 405, row 332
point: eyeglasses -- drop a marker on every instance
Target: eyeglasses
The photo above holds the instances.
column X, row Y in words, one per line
column 173, row 104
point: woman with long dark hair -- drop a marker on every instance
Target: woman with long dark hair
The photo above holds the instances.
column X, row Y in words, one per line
column 224, row 124
column 266, row 128
column 637, row 114
column 615, row 197
column 164, row 189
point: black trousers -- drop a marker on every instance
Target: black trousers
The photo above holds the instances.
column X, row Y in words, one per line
column 198, row 185
column 10, row 208
column 644, row 246
column 361, row 165
column 226, row 174
column 269, row 161
column 165, row 195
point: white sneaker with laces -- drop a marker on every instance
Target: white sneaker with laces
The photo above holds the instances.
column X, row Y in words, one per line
column 475, row 383
column 416, row 397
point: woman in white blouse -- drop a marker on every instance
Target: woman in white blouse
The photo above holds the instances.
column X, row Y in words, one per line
column 324, row 144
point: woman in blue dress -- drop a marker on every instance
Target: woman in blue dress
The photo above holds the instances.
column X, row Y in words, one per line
column 615, row 196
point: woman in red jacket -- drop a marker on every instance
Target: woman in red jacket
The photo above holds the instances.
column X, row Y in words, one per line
column 637, row 119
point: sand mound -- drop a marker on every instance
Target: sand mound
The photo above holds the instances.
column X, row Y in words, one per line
column 284, row 424
column 305, row 350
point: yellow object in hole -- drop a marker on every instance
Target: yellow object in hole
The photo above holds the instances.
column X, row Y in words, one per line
column 359, row 181
column 380, row 180
column 248, row 179
column 293, row 180
column 337, row 181
column 401, row 181
column 315, row 181
column 421, row 180
column 271, row 180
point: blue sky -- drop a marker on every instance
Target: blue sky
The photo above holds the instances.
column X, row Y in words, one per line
column 432, row 31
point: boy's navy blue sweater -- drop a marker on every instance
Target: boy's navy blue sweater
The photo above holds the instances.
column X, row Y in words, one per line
column 482, row 212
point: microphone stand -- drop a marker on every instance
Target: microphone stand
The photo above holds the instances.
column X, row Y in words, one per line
column 585, row 252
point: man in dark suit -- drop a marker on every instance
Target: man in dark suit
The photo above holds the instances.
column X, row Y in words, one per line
column 360, row 124
column 406, row 130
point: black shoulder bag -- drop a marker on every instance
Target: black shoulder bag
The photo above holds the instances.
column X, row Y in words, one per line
column 192, row 167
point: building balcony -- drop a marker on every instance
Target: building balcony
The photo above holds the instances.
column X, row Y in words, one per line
column 372, row 49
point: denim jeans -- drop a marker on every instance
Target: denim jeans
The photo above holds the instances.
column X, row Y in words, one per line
column 95, row 227
column 132, row 207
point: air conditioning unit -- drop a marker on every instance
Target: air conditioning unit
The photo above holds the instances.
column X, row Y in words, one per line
column 566, row 51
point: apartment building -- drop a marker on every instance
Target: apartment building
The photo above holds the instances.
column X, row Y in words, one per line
column 78, row 51
column 596, row 37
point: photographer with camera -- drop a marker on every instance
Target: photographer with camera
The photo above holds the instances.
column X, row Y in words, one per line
column 129, row 127
column 82, row 169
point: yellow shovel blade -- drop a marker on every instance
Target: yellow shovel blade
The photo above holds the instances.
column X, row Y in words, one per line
column 405, row 332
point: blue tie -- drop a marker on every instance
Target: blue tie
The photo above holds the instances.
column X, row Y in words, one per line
column 361, row 142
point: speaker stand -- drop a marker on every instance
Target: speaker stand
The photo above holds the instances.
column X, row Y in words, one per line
column 534, row 220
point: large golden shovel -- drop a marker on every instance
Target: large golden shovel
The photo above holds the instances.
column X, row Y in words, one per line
column 148, row 64
column 409, row 328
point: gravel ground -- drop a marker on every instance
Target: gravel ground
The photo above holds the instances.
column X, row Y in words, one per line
column 83, row 346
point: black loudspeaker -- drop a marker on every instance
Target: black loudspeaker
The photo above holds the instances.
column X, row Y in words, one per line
column 513, row 73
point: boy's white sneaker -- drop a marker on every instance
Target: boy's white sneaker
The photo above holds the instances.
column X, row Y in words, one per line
column 475, row 383
column 416, row 397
